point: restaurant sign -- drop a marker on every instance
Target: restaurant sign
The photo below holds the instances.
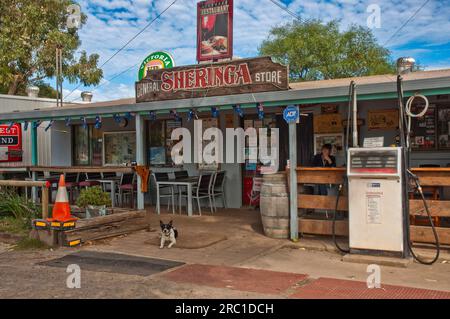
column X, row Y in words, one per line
column 240, row 76
column 10, row 143
column 214, row 30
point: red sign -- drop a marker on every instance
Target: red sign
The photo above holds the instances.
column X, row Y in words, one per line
column 10, row 143
column 214, row 30
column 207, row 77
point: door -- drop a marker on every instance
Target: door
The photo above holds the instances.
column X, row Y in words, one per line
column 305, row 141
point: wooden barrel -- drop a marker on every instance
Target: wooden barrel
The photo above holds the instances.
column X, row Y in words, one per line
column 274, row 206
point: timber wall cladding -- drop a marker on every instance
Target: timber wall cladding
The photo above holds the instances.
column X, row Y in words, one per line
column 204, row 80
column 421, row 234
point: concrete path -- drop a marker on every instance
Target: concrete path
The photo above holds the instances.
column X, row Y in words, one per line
column 293, row 285
column 226, row 256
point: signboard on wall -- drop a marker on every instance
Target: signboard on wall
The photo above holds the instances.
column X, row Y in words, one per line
column 386, row 119
column 155, row 61
column 214, row 30
column 328, row 123
column 10, row 143
column 195, row 81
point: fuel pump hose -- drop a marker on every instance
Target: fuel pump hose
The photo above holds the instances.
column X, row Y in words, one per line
column 408, row 174
column 345, row 251
column 436, row 237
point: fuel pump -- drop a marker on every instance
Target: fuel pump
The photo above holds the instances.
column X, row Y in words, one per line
column 379, row 181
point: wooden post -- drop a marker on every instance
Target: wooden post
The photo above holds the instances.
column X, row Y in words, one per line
column 45, row 198
column 34, row 158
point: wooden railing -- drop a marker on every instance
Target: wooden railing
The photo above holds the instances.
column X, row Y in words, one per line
column 436, row 177
column 44, row 185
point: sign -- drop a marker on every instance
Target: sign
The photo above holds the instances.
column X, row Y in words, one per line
column 291, row 114
column 372, row 142
column 156, row 61
column 327, row 123
column 10, row 143
column 386, row 119
column 214, row 30
column 195, row 81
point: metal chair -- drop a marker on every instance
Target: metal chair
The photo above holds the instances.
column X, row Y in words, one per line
column 218, row 189
column 127, row 186
column 107, row 175
column 159, row 177
column 202, row 190
column 181, row 174
column 71, row 184
column 90, row 179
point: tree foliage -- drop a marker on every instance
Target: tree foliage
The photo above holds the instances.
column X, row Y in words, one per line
column 30, row 32
column 316, row 50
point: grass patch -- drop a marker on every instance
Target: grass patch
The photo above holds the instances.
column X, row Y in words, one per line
column 30, row 244
column 13, row 225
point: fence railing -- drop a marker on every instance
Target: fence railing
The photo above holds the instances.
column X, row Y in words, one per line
column 428, row 177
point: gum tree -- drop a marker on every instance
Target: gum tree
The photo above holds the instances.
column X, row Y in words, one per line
column 30, row 32
column 316, row 50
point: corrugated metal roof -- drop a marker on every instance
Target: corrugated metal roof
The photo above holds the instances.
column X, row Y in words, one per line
column 374, row 79
column 368, row 87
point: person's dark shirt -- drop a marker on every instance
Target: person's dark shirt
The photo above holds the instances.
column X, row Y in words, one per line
column 319, row 162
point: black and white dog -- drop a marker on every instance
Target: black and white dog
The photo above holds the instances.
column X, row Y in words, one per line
column 168, row 233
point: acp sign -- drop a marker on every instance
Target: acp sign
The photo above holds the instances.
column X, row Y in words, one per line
column 156, row 61
column 291, row 114
column 10, row 143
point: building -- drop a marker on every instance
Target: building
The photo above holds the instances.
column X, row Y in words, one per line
column 123, row 131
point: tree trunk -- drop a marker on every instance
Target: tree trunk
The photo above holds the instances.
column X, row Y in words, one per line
column 14, row 86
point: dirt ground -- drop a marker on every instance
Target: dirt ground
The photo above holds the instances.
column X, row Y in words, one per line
column 231, row 238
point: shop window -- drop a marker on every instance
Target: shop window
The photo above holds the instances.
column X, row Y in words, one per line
column 87, row 146
column 119, row 148
column 159, row 141
column 80, row 146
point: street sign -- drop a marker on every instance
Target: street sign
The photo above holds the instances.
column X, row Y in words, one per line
column 291, row 114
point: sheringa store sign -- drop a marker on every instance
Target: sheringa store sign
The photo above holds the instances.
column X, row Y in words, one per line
column 240, row 76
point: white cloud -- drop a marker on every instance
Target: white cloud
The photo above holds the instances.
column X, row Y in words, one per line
column 111, row 23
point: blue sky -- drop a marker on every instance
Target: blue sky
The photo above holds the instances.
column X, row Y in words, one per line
column 111, row 23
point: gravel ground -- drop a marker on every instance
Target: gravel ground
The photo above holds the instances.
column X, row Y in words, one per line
column 20, row 277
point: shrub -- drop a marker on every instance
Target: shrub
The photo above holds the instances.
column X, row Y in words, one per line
column 12, row 204
column 93, row 196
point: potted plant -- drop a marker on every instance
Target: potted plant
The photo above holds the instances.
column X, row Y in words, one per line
column 94, row 200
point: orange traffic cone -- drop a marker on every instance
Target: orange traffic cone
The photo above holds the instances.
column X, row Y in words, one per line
column 61, row 210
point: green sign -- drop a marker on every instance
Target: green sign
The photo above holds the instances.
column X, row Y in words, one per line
column 156, row 61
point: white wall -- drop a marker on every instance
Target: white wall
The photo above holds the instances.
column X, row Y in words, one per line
column 11, row 103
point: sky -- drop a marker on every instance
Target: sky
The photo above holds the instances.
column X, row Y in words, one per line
column 111, row 23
